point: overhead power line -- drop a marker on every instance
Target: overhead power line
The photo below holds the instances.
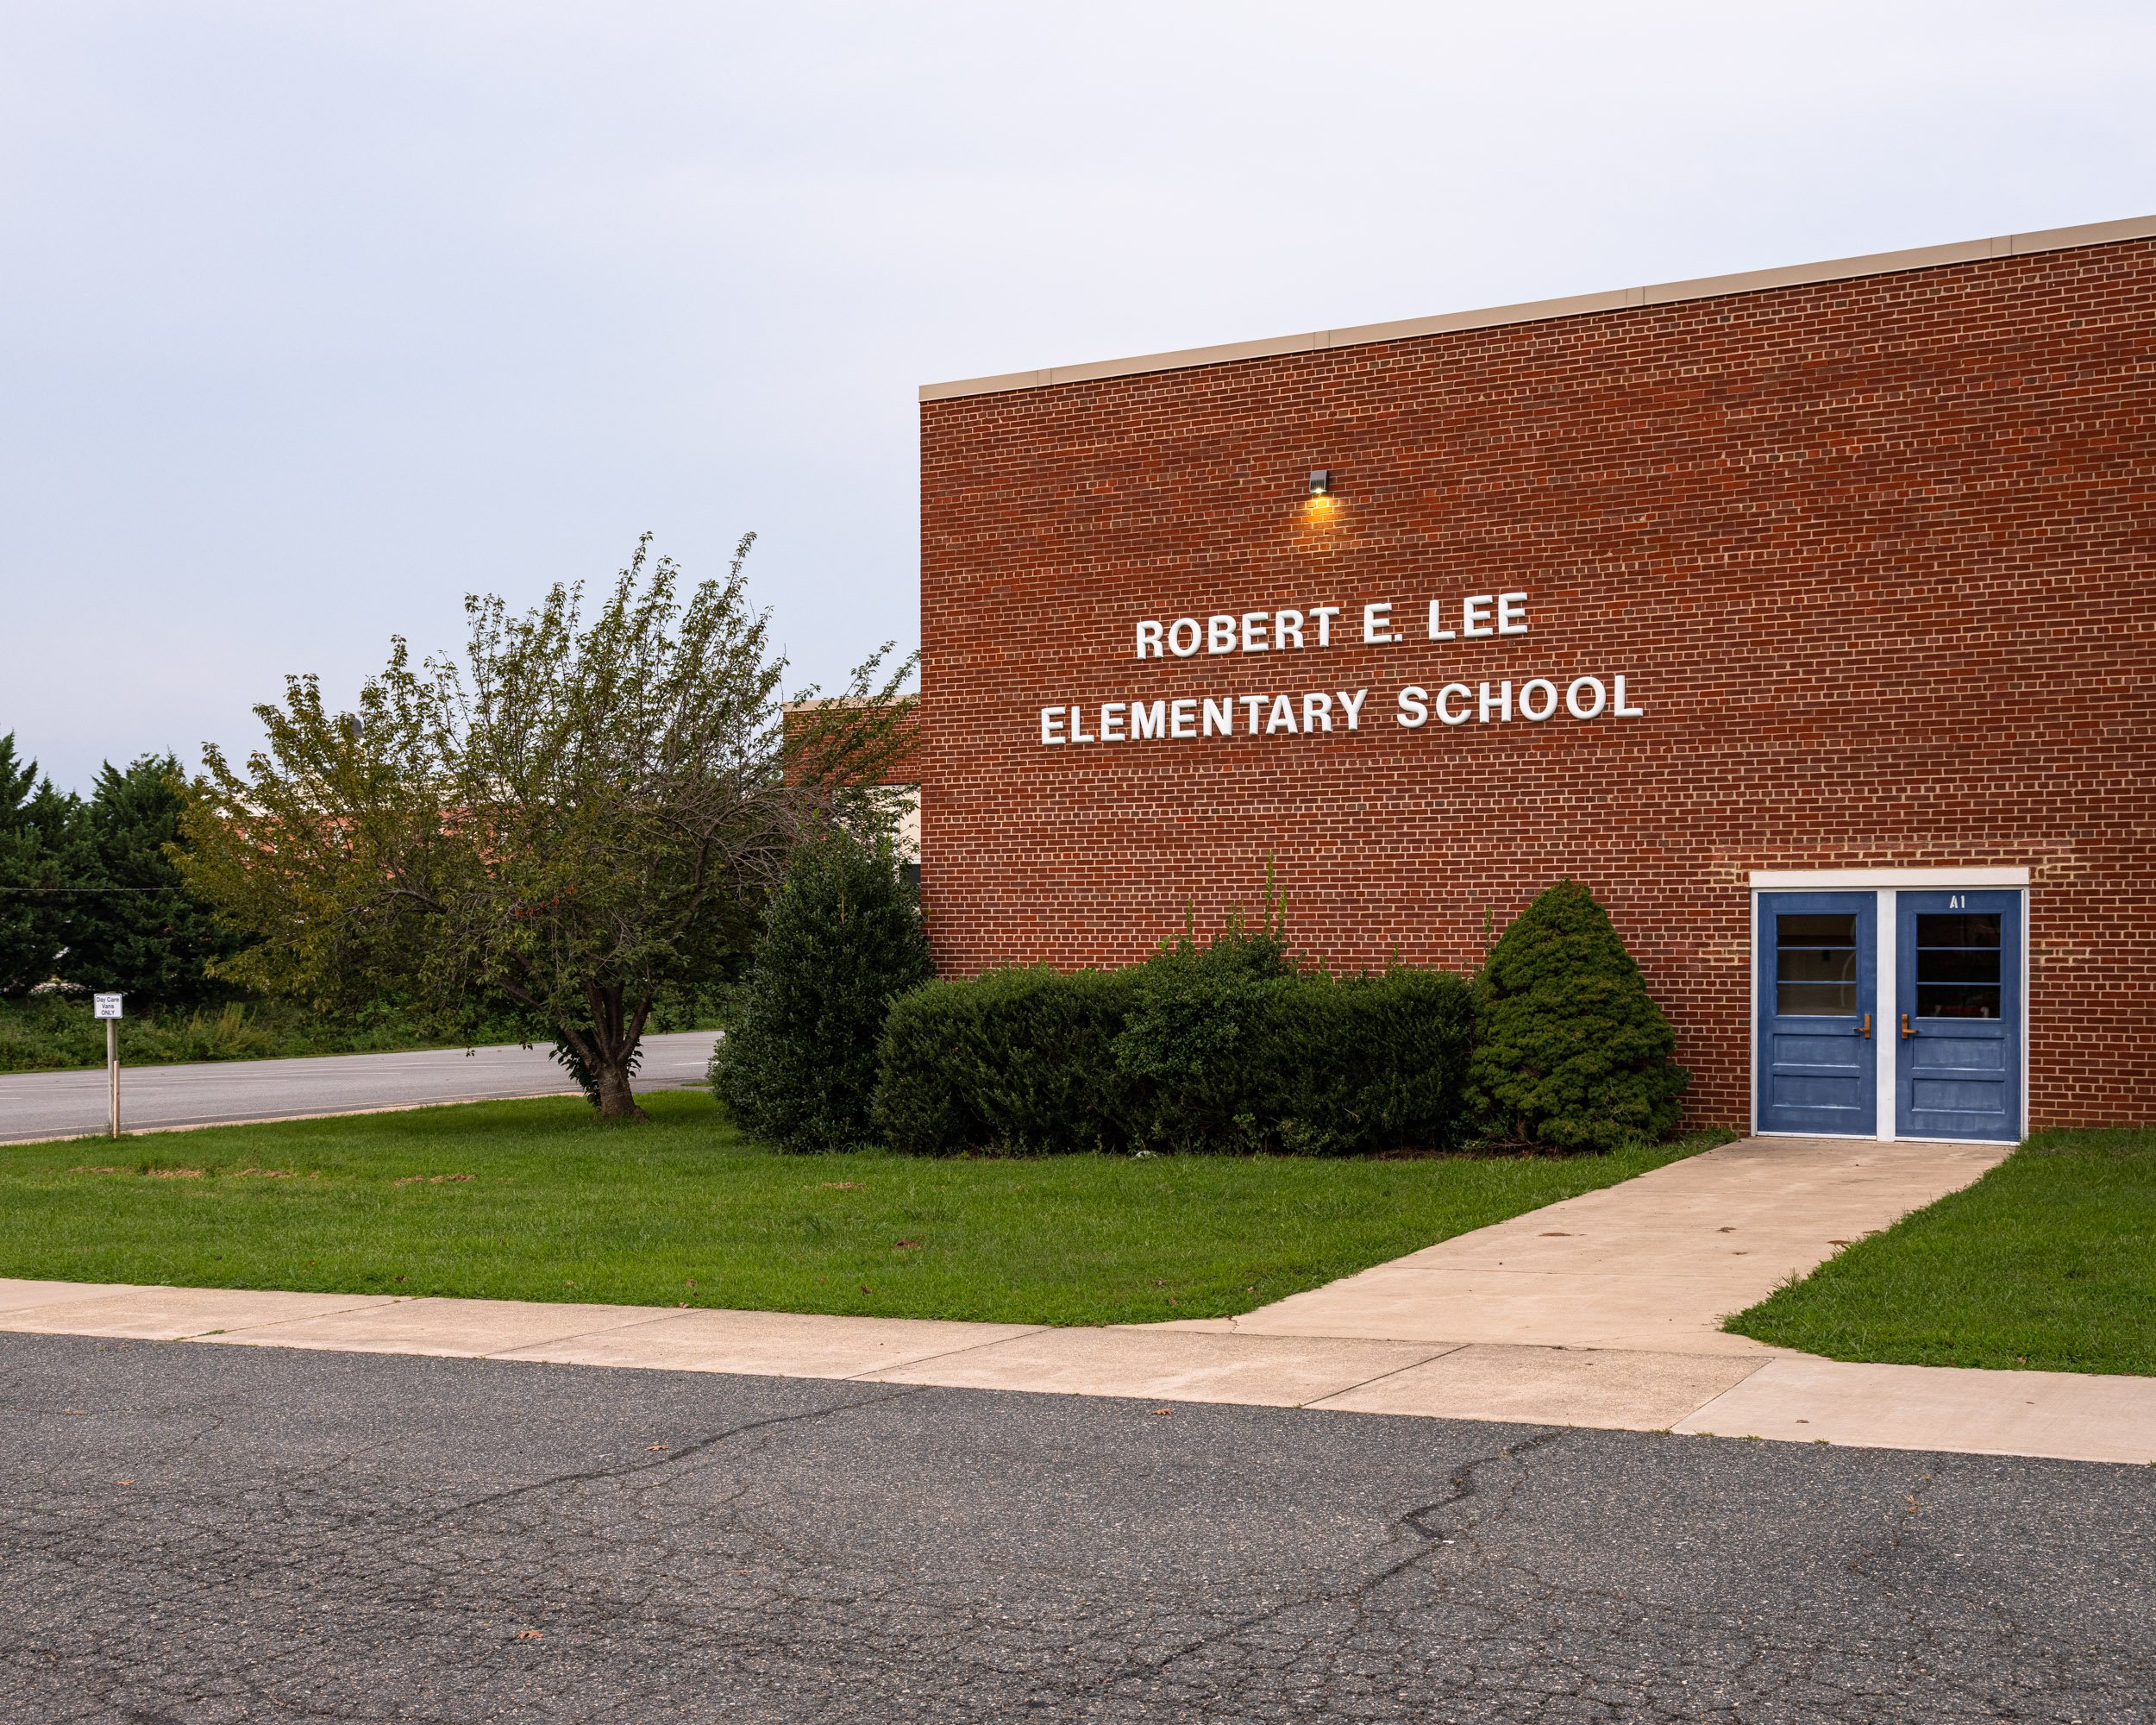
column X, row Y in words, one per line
column 49, row 892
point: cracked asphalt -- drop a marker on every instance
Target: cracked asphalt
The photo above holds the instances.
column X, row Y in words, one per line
column 197, row 1534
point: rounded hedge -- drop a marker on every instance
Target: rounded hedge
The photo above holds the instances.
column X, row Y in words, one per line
column 1220, row 1047
column 1571, row 1052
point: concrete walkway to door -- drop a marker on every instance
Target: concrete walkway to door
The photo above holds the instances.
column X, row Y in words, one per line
column 1654, row 1264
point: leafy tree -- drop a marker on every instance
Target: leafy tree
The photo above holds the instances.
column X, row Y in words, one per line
column 40, row 859
column 798, row 1064
column 1572, row 1053
column 132, row 926
column 576, row 819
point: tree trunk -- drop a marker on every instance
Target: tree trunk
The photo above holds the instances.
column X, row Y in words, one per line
column 616, row 1030
column 616, row 1102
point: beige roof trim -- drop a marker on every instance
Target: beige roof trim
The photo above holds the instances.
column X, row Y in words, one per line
column 1663, row 293
column 1824, row 880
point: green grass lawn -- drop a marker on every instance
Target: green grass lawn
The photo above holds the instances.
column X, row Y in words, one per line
column 2048, row 1261
column 541, row 1201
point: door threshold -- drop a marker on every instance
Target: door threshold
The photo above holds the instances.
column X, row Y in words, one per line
column 2009, row 1142
column 1866, row 1137
column 1840, row 1137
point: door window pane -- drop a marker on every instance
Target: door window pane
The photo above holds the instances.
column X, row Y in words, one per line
column 1958, row 958
column 1839, row 930
column 1816, row 999
column 1957, row 964
column 1957, row 1000
column 1959, row 928
column 1815, row 966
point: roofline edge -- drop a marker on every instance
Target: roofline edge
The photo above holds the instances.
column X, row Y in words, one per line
column 1574, row 306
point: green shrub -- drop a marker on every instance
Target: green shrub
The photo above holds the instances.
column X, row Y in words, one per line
column 797, row 1064
column 1194, row 1042
column 1021, row 1061
column 1571, row 1052
column 1219, row 1047
column 1365, row 1063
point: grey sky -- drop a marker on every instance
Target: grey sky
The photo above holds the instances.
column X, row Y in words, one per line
column 313, row 318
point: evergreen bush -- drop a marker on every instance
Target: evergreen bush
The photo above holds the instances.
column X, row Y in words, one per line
column 1571, row 1053
column 1194, row 1043
column 1021, row 1061
column 1365, row 1063
column 797, row 1064
column 1220, row 1046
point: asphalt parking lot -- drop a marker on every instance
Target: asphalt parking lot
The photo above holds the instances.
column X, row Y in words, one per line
column 193, row 1534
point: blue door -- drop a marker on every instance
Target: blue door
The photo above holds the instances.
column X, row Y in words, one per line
column 1958, row 1018
column 1818, row 974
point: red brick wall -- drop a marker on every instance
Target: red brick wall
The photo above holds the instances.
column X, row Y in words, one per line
column 1876, row 557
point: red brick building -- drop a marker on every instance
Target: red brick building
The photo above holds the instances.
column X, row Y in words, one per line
column 1809, row 617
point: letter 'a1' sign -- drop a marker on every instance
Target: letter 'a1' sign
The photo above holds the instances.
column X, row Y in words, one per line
column 107, row 1005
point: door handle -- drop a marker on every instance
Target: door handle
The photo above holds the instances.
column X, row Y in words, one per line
column 1906, row 1032
column 1865, row 1030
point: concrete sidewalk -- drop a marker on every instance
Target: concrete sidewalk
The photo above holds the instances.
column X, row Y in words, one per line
column 1654, row 1264
column 1769, row 1396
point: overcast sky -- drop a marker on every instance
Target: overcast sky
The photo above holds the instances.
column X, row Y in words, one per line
column 314, row 318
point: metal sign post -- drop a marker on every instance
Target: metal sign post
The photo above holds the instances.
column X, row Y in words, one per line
column 108, row 1008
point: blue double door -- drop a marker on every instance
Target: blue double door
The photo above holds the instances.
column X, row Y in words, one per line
column 1949, row 1018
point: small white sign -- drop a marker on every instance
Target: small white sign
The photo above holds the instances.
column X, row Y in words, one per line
column 107, row 1005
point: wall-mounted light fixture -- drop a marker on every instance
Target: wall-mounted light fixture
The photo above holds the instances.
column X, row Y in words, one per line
column 1321, row 482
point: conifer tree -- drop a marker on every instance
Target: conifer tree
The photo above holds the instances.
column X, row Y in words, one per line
column 133, row 927
column 1572, row 1054
column 798, row 1064
column 39, row 858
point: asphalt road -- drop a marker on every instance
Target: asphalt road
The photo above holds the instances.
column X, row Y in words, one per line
column 196, row 1534
column 34, row 1105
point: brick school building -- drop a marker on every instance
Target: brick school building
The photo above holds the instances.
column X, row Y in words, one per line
column 1808, row 617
